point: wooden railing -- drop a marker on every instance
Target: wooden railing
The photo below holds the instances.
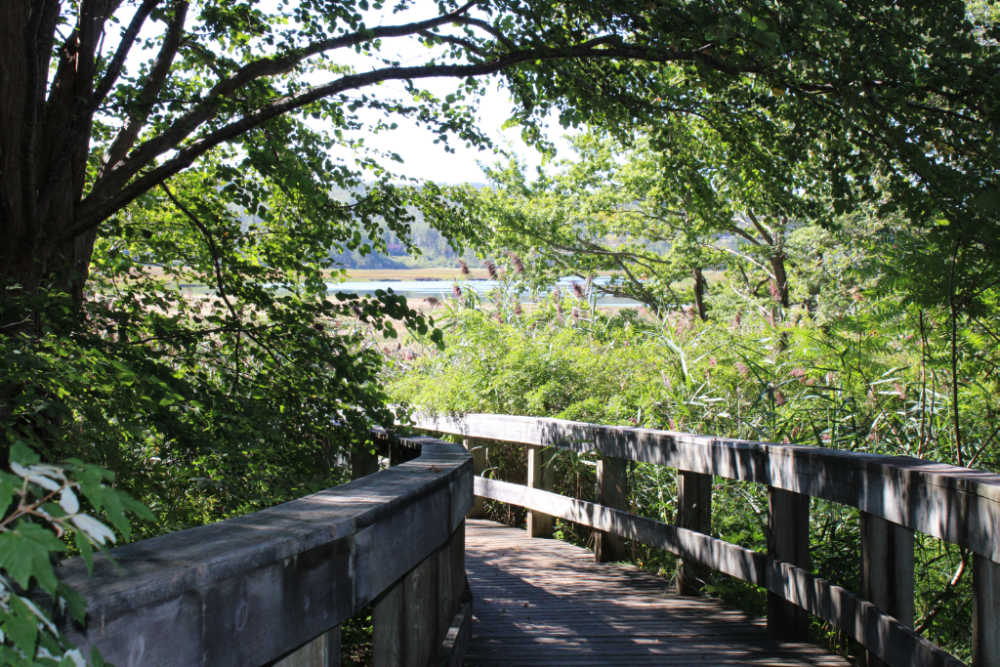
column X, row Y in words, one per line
column 896, row 496
column 274, row 586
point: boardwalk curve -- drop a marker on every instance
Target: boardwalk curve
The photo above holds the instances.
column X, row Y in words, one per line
column 546, row 602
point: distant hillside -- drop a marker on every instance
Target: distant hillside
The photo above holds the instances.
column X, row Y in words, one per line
column 434, row 248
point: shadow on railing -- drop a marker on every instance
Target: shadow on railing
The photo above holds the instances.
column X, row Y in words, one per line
column 896, row 496
column 275, row 585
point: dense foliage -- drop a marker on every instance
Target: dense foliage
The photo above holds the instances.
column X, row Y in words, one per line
column 647, row 218
column 150, row 145
column 48, row 511
column 869, row 371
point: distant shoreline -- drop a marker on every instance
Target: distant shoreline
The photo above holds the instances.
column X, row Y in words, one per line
column 425, row 273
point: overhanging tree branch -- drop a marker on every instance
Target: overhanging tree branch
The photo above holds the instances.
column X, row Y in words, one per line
column 145, row 154
column 117, row 62
column 147, row 97
column 109, row 196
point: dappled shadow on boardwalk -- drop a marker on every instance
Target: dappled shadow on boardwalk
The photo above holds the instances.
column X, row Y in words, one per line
column 545, row 602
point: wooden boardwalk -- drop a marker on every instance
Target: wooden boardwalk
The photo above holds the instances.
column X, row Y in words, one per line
column 546, row 602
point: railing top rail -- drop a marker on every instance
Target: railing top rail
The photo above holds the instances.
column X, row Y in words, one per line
column 251, row 588
column 956, row 504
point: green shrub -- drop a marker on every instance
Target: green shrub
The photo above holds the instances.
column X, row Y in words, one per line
column 878, row 378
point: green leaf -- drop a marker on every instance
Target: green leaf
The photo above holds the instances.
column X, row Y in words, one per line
column 987, row 201
column 9, row 486
column 86, row 550
column 75, row 603
column 23, row 454
column 21, row 626
column 24, row 554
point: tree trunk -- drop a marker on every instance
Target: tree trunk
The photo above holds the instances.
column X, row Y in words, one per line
column 44, row 146
column 700, row 288
column 779, row 284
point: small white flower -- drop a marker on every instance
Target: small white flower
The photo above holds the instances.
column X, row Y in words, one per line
column 48, row 470
column 77, row 657
column 32, row 475
column 68, row 501
column 94, row 529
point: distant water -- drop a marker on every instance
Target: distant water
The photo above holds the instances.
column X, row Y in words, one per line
column 442, row 289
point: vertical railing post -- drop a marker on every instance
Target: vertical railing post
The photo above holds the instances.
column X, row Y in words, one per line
column 887, row 570
column 451, row 578
column 405, row 623
column 389, row 633
column 364, row 462
column 480, row 454
column 612, row 490
column 396, row 454
column 986, row 613
column 788, row 540
column 539, row 477
column 324, row 651
column 412, row 617
column 400, row 453
column 694, row 511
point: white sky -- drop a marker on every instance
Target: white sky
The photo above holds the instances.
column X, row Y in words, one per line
column 422, row 157
column 425, row 159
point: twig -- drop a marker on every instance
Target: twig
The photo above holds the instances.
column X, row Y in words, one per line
column 944, row 595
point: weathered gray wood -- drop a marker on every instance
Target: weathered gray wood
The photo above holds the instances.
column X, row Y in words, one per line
column 859, row 619
column 364, row 462
column 457, row 616
column 421, row 613
column 459, row 587
column 694, row 546
column 450, row 579
column 546, row 602
column 955, row 504
column 887, row 571
column 252, row 589
column 333, row 647
column 694, row 511
column 480, row 460
column 887, row 567
column 539, row 477
column 412, row 619
column 986, row 616
column 456, row 641
column 788, row 541
column 389, row 629
column 882, row 634
column 612, row 491
column 401, row 451
column 324, row 651
column 444, row 601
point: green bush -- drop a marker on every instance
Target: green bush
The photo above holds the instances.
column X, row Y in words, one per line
column 44, row 514
column 861, row 381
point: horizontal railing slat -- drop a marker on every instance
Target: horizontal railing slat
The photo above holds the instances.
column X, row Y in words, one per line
column 955, row 504
column 885, row 636
column 718, row 554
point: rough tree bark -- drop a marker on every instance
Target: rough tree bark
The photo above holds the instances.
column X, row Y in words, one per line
column 700, row 287
column 44, row 144
column 779, row 276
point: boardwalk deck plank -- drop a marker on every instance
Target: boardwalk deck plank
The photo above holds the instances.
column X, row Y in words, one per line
column 546, row 602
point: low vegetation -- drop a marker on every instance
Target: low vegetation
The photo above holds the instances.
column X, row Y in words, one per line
column 872, row 375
